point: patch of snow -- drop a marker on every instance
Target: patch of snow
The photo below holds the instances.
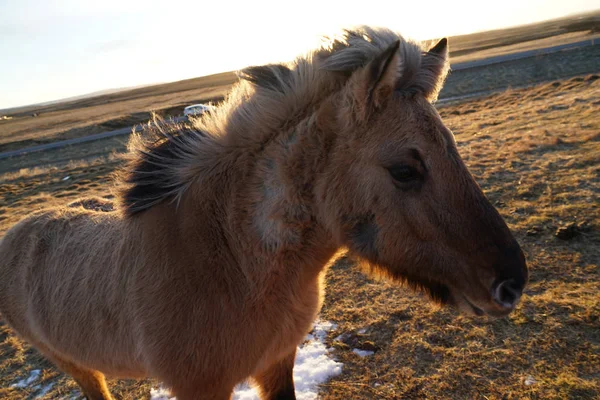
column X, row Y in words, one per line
column 23, row 383
column 319, row 332
column 363, row 353
column 362, row 331
column 43, row 390
column 66, row 178
column 160, row 393
column 530, row 381
column 244, row 391
column 312, row 367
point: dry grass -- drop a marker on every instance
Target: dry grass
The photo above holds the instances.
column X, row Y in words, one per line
column 536, row 153
column 33, row 172
column 106, row 113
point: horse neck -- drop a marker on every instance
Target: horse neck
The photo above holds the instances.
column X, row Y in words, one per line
column 269, row 208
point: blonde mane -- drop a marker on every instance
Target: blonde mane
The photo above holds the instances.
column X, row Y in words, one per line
column 166, row 158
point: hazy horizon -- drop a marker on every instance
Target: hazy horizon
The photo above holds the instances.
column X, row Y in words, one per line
column 64, row 48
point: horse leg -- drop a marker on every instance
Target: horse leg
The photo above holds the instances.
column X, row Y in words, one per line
column 277, row 381
column 92, row 383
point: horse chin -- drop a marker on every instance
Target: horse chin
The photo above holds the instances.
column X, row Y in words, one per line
column 438, row 292
column 464, row 305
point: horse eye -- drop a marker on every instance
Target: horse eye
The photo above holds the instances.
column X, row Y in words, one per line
column 404, row 173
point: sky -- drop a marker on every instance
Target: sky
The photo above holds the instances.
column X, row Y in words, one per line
column 51, row 49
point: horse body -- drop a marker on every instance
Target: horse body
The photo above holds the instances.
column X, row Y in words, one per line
column 210, row 271
column 222, row 300
column 83, row 284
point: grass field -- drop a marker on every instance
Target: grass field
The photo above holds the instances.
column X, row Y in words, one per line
column 536, row 154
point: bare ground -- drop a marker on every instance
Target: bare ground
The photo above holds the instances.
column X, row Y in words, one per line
column 536, row 153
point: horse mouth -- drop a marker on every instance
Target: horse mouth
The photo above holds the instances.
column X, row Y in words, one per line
column 466, row 306
column 444, row 294
column 476, row 310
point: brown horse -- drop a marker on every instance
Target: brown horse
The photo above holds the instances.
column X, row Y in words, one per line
column 211, row 270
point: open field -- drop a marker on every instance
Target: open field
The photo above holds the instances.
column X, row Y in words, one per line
column 536, row 154
column 527, row 37
column 98, row 114
column 34, row 125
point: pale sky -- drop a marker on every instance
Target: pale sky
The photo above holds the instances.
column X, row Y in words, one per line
column 51, row 49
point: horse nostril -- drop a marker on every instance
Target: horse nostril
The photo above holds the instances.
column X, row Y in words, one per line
column 507, row 293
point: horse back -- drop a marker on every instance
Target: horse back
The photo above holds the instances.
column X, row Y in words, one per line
column 59, row 284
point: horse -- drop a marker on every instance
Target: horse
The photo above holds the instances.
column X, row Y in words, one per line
column 210, row 271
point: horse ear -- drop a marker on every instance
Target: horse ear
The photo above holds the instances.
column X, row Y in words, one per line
column 441, row 48
column 434, row 69
column 384, row 72
column 374, row 84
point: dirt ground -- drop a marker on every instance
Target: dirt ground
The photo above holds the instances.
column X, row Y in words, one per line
column 536, row 154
